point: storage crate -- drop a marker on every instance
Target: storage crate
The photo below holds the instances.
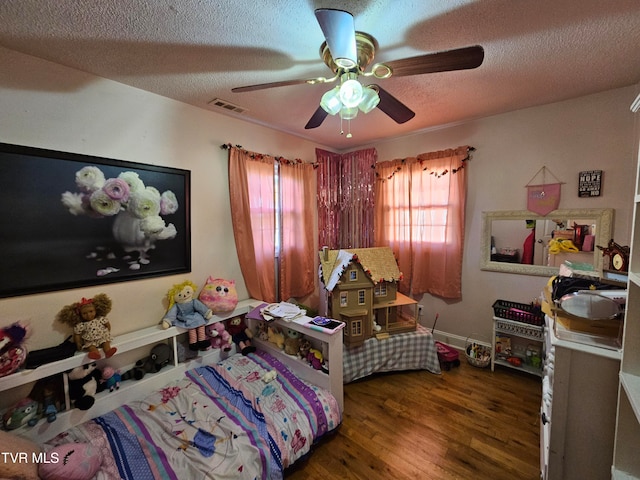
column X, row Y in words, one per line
column 520, row 312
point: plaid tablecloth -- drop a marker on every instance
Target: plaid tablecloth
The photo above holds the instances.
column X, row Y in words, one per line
column 401, row 351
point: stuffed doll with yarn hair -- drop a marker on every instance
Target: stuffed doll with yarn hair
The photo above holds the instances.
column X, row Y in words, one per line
column 188, row 312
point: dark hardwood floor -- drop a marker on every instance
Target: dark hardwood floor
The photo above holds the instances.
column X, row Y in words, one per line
column 468, row 423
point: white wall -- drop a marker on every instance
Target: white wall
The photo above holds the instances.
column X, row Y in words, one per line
column 588, row 133
column 50, row 106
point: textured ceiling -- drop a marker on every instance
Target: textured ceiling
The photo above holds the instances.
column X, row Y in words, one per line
column 536, row 52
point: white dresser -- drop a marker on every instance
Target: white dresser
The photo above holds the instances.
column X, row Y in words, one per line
column 578, row 411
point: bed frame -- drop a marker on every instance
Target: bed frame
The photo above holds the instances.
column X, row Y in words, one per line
column 134, row 345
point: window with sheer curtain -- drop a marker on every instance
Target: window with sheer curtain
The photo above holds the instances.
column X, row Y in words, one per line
column 272, row 208
column 419, row 212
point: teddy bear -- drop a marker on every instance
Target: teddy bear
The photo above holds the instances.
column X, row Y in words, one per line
column 292, row 342
column 84, row 383
column 241, row 335
column 91, row 329
column 304, row 348
column 219, row 295
column 161, row 355
column 219, row 337
column 276, row 337
column 261, row 331
column 188, row 312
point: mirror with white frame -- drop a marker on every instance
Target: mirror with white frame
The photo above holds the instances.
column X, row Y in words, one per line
column 504, row 234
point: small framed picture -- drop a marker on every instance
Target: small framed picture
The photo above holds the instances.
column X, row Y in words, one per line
column 590, row 183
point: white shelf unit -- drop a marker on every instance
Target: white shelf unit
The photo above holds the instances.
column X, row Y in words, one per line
column 331, row 347
column 626, row 461
column 129, row 390
column 518, row 332
column 578, row 409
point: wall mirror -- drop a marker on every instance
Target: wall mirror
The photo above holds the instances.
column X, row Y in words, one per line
column 504, row 234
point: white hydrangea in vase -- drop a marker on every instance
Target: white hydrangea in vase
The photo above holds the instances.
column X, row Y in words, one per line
column 137, row 209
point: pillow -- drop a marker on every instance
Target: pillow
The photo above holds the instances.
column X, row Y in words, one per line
column 71, row 461
column 20, row 460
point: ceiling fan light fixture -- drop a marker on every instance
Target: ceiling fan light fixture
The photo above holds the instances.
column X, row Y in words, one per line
column 348, row 113
column 370, row 100
column 351, row 93
column 330, row 101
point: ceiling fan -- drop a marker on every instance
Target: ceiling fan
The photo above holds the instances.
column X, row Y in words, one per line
column 348, row 53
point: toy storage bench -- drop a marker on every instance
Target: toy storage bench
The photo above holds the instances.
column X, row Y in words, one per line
column 401, row 351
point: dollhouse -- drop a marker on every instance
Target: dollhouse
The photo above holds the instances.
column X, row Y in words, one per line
column 361, row 289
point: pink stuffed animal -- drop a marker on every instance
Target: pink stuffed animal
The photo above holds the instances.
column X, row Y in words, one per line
column 219, row 337
column 219, row 295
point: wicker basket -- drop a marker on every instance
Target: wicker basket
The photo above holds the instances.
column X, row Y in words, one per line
column 520, row 312
column 478, row 354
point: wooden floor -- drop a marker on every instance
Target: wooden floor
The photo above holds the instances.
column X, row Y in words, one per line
column 468, row 423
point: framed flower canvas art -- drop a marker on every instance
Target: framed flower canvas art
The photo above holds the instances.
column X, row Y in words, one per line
column 71, row 220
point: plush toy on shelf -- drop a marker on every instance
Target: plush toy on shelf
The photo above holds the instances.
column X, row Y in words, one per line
column 292, row 342
column 111, row 378
column 275, row 336
column 219, row 295
column 241, row 335
column 304, row 348
column 21, row 413
column 84, row 383
column 13, row 353
column 91, row 329
column 219, row 337
column 161, row 355
column 188, row 312
column 49, row 393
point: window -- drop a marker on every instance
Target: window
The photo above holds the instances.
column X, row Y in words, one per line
column 380, row 290
column 353, row 275
column 356, row 328
column 361, row 297
column 273, row 206
column 419, row 213
column 344, row 299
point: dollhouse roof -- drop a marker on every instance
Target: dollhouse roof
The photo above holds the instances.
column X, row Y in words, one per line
column 377, row 262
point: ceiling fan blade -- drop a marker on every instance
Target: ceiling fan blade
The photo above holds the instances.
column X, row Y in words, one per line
column 316, row 119
column 339, row 31
column 393, row 107
column 458, row 59
column 262, row 86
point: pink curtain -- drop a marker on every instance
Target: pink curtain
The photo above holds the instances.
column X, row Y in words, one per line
column 419, row 213
column 253, row 211
column 298, row 252
column 251, row 191
column 346, row 198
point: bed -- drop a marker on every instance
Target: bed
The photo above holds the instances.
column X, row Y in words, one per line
column 226, row 420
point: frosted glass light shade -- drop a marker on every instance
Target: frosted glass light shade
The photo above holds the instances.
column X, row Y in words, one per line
column 350, row 93
column 330, row 101
column 348, row 113
column 370, row 100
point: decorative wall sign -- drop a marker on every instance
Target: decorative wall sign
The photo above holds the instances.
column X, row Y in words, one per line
column 70, row 220
column 590, row 183
column 545, row 197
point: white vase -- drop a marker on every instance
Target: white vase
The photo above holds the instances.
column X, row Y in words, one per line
column 127, row 232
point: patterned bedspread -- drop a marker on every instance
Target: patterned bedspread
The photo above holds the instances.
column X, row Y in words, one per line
column 401, row 351
column 221, row 421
